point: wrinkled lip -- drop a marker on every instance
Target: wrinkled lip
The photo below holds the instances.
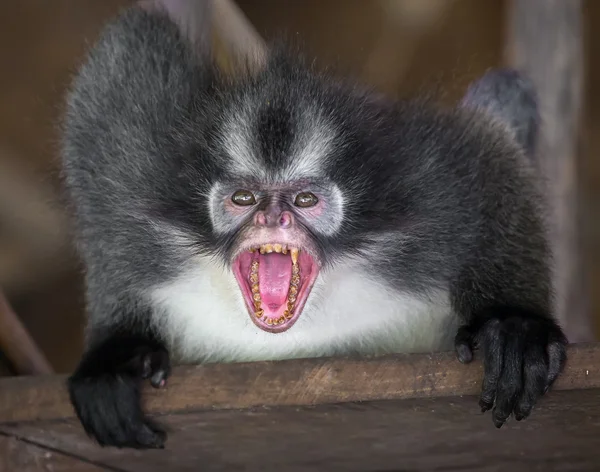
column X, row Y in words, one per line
column 275, row 280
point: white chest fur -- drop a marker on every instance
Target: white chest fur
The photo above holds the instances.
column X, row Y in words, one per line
column 204, row 318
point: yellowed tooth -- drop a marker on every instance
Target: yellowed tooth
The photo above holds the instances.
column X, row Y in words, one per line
column 295, row 269
column 288, row 315
column 254, row 266
column 295, row 279
column 259, row 313
column 255, row 288
column 281, row 320
column 262, row 249
column 295, row 252
column 269, row 321
column 254, row 278
column 256, row 297
column 268, row 248
column 292, row 298
column 284, row 249
column 293, row 290
column 257, row 305
column 277, row 247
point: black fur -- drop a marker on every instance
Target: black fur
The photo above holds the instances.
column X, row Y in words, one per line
column 105, row 388
column 143, row 144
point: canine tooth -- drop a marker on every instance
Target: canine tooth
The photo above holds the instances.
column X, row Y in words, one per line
column 277, row 247
column 295, row 252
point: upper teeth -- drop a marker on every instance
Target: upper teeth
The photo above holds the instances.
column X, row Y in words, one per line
column 279, row 248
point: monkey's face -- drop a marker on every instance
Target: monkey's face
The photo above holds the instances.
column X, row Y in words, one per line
column 275, row 254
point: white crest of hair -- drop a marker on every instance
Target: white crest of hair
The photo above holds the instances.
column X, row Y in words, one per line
column 312, row 146
column 313, row 143
column 204, row 319
column 239, row 145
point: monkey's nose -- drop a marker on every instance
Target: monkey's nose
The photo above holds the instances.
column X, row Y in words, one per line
column 285, row 219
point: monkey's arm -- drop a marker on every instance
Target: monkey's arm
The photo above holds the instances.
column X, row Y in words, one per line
column 105, row 387
column 503, row 288
column 127, row 99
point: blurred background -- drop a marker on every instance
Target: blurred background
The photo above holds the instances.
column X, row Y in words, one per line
column 402, row 47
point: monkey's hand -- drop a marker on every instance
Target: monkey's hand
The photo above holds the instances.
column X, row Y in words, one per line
column 523, row 354
column 105, row 391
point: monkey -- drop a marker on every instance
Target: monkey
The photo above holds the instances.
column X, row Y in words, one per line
column 287, row 212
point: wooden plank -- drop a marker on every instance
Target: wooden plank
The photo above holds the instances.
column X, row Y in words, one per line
column 294, row 382
column 404, row 412
column 421, row 434
column 21, row 456
column 545, row 40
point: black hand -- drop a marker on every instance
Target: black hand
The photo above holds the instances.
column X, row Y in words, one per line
column 105, row 391
column 523, row 354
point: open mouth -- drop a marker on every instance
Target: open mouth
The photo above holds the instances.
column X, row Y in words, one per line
column 275, row 281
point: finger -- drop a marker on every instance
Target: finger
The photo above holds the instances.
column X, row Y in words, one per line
column 493, row 346
column 149, row 437
column 535, row 372
column 134, row 429
column 463, row 343
column 557, row 357
column 161, row 368
column 146, row 366
column 510, row 382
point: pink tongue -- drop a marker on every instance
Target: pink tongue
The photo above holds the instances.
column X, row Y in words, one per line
column 274, row 275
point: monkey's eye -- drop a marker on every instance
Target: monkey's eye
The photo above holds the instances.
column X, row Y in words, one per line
column 305, row 200
column 243, row 198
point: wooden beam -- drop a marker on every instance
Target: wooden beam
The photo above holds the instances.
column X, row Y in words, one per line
column 405, row 412
column 293, row 382
column 545, row 40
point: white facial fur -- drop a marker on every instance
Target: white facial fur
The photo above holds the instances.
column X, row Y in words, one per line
column 203, row 316
column 312, row 146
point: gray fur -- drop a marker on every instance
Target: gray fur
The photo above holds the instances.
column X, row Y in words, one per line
column 143, row 145
column 433, row 219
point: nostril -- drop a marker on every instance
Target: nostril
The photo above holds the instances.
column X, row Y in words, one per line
column 260, row 219
column 286, row 219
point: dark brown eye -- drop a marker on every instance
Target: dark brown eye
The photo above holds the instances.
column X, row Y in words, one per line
column 305, row 200
column 243, row 197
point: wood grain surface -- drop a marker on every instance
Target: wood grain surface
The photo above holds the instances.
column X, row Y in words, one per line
column 293, row 382
column 393, row 413
column 22, row 456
